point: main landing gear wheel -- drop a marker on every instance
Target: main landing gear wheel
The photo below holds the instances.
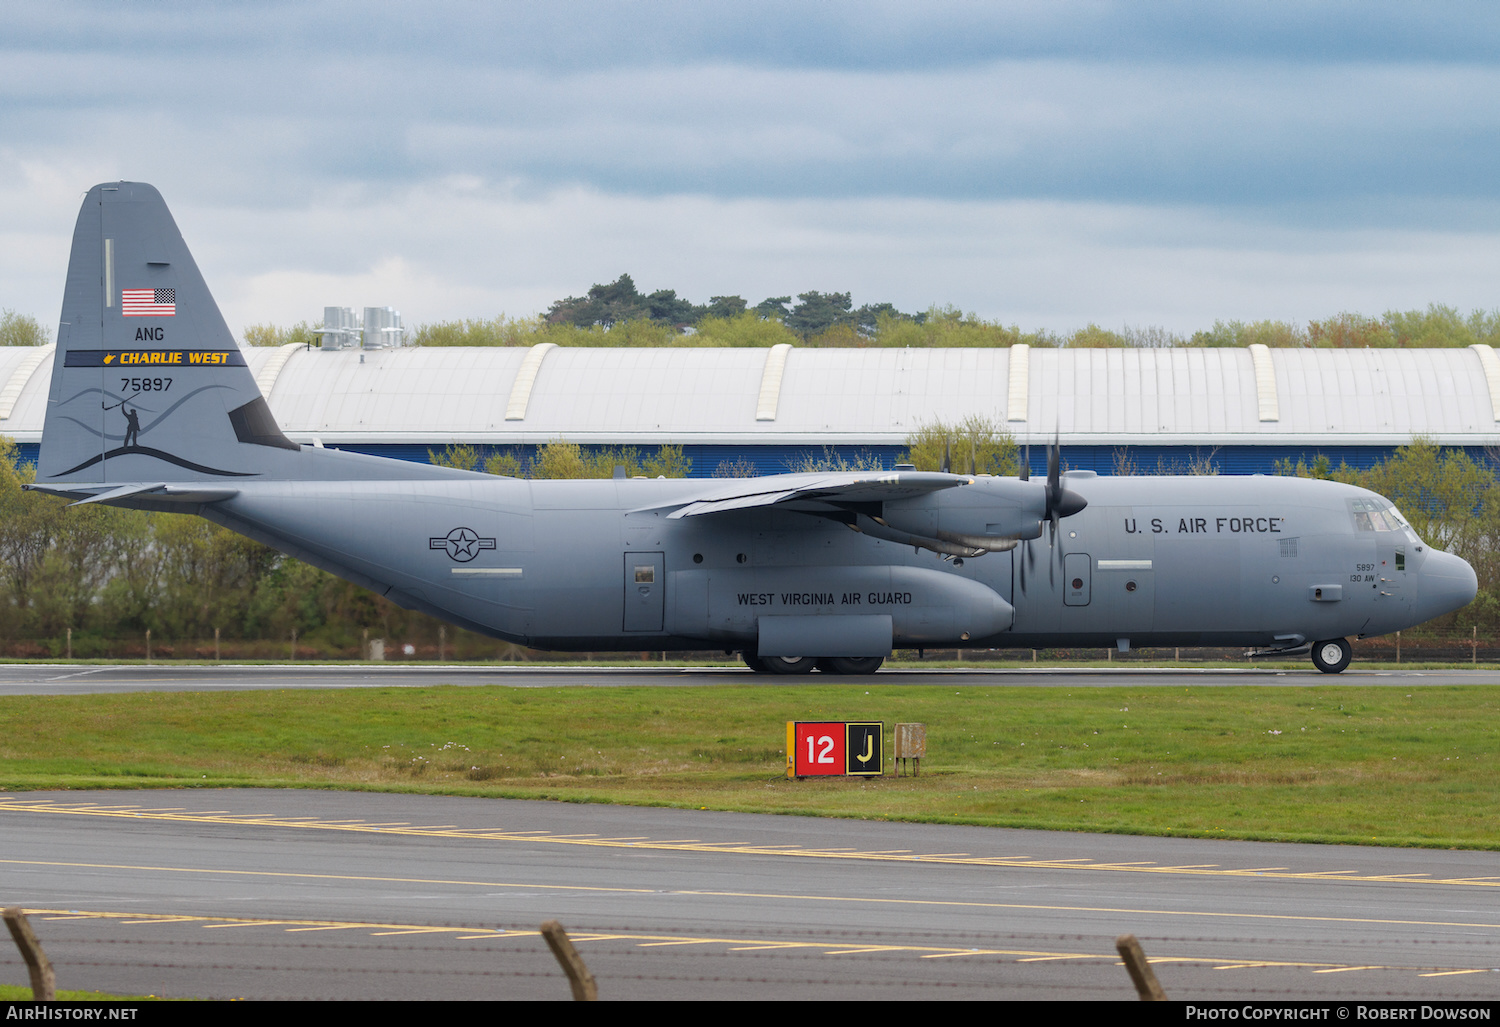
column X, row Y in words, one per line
column 788, row 664
column 1332, row 656
column 850, row 664
column 754, row 662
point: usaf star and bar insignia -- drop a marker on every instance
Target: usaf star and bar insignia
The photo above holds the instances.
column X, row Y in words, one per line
column 461, row 544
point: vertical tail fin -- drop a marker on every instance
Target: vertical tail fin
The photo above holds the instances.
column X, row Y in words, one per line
column 148, row 383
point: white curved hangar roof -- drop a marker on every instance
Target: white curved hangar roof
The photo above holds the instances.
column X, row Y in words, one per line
column 787, row 395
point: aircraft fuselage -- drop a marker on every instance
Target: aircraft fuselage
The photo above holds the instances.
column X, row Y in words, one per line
column 599, row 565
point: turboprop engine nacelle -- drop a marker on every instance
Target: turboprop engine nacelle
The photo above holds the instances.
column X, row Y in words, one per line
column 987, row 515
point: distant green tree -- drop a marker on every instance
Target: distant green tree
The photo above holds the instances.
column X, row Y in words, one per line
column 867, row 319
column 1094, row 337
column 497, row 331
column 665, row 307
column 949, row 327
column 774, row 307
column 21, row 330
column 725, row 306
column 817, row 312
column 745, row 329
column 506, row 464
column 603, row 305
column 668, row 462
column 28, row 524
column 462, row 457
column 975, row 445
column 739, row 467
column 830, row 460
column 1241, row 333
column 641, row 332
column 1151, row 337
column 301, row 333
column 1350, row 331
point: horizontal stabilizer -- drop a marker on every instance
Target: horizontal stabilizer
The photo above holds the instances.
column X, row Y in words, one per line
column 161, row 492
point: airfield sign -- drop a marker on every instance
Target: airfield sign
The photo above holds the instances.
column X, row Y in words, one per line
column 834, row 748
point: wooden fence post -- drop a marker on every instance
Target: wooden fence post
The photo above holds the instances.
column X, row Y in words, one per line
column 582, row 982
column 43, row 981
column 1140, row 970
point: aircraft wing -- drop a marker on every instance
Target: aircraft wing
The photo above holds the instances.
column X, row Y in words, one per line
column 813, row 491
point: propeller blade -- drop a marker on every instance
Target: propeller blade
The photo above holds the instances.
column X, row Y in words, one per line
column 1052, row 547
column 947, row 457
column 1026, row 463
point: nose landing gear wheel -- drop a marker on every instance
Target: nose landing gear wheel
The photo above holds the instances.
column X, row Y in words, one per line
column 1332, row 656
column 850, row 664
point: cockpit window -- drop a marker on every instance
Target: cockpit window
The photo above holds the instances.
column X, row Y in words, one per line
column 1376, row 514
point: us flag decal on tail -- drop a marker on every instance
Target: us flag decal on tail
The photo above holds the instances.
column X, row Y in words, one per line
column 148, row 302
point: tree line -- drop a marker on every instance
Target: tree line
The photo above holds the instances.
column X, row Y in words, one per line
column 619, row 315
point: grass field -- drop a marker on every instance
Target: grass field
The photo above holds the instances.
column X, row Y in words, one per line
column 1333, row 764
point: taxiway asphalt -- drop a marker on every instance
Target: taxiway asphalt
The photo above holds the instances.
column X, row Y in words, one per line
column 308, row 894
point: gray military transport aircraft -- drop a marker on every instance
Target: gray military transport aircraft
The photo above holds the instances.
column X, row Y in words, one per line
column 153, row 407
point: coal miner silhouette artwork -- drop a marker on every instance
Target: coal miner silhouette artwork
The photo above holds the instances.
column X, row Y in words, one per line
column 132, row 427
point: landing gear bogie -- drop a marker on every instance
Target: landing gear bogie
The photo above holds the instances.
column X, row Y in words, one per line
column 792, row 665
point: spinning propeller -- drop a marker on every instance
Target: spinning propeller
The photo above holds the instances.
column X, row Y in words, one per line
column 1060, row 503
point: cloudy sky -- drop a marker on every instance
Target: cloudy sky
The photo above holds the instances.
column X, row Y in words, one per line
column 1048, row 164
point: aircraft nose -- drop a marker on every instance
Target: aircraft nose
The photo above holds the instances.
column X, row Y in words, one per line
column 1448, row 583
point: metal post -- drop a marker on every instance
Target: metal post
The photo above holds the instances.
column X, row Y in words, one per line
column 579, row 978
column 216, row 644
column 148, row 645
column 1141, row 974
column 70, row 643
column 1398, row 647
column 442, row 643
column 43, row 980
column 294, row 645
